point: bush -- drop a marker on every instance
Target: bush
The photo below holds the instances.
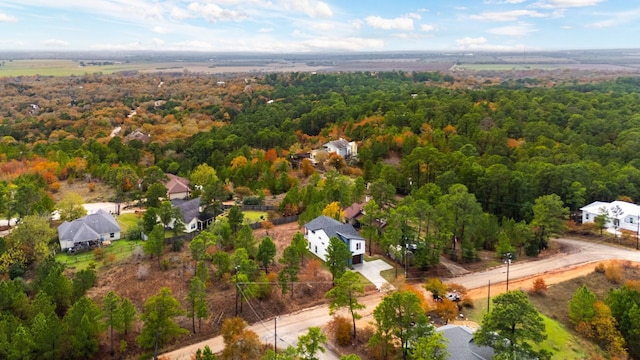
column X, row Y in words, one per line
column 341, row 329
column 539, row 287
column 92, row 187
column 614, row 273
column 164, row 264
column 99, row 254
column 177, row 245
column 251, row 200
column 110, row 259
column 599, row 268
column 467, row 302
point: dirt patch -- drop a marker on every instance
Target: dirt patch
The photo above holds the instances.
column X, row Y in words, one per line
column 139, row 277
column 101, row 192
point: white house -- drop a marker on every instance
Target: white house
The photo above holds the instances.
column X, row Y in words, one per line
column 88, row 230
column 622, row 215
column 319, row 230
column 342, row 147
column 192, row 215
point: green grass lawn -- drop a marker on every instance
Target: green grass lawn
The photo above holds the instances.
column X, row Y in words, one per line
column 251, row 216
column 127, row 221
column 560, row 341
column 121, row 249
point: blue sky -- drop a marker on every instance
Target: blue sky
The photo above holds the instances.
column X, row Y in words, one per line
column 287, row 26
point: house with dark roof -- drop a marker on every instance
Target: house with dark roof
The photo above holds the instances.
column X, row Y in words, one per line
column 461, row 346
column 192, row 216
column 319, row 230
column 353, row 214
column 177, row 187
column 88, row 230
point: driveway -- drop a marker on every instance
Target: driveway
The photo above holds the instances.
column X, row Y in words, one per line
column 371, row 270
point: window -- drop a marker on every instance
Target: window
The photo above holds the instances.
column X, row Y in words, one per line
column 193, row 226
column 358, row 246
column 309, row 245
column 586, row 216
column 112, row 235
column 316, row 249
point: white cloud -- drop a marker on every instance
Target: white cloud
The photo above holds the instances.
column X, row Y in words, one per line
column 157, row 42
column 214, row 13
column 7, row 18
column 265, row 30
column 313, row 8
column 468, row 42
column 414, row 16
column 616, row 19
column 357, row 24
column 519, row 30
column 399, row 23
column 554, row 4
column 160, row 29
column 500, row 2
column 427, row 27
column 179, row 14
column 512, row 15
column 55, row 43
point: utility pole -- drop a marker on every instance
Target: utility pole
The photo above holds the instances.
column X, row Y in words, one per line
column 275, row 336
column 508, row 261
column 489, row 296
column 236, row 290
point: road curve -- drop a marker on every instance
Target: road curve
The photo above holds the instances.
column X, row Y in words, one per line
column 290, row 326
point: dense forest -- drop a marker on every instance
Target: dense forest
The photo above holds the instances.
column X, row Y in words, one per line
column 451, row 166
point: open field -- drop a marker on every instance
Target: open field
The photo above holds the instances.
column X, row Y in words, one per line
column 120, row 249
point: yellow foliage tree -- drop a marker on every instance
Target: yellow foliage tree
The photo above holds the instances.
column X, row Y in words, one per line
column 334, row 210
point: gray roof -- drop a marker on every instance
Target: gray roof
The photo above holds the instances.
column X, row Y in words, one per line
column 333, row 227
column 89, row 227
column 189, row 209
column 338, row 144
column 461, row 345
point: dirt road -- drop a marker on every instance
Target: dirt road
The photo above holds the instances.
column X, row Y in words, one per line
column 577, row 257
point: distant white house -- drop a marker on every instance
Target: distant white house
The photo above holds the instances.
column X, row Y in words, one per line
column 88, row 230
column 622, row 215
column 342, row 147
column 319, row 230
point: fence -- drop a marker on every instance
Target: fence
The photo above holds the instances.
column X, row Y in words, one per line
column 278, row 221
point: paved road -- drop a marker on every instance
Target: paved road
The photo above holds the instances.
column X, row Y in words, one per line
column 574, row 252
column 290, row 326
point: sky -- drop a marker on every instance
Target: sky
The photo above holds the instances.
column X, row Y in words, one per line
column 299, row 26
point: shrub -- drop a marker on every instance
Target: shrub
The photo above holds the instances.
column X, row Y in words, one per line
column 251, row 200
column 92, row 187
column 177, row 245
column 599, row 268
column 539, row 287
column 614, row 273
column 341, row 329
column 110, row 259
column 467, row 302
column 447, row 310
column 164, row 264
column 99, row 254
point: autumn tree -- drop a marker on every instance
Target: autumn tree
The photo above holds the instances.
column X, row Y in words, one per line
column 333, row 210
column 436, row 287
column 344, row 295
column 512, row 325
column 240, row 343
